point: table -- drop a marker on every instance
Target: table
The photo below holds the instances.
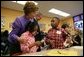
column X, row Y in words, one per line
column 72, row 51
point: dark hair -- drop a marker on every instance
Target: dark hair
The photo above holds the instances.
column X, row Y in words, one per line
column 64, row 26
column 56, row 18
column 5, row 33
column 30, row 7
column 30, row 26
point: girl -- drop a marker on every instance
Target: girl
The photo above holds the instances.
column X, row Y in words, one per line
column 29, row 45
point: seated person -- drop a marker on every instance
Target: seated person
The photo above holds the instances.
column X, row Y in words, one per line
column 29, row 45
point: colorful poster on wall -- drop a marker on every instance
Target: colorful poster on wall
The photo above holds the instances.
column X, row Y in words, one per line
column 78, row 22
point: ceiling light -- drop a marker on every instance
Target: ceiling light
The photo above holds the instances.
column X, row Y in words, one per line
column 13, row 1
column 23, row 2
column 61, row 13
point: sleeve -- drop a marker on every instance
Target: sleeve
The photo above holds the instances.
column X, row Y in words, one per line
column 47, row 37
column 15, row 30
column 64, row 32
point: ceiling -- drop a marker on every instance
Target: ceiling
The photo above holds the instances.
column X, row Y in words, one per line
column 71, row 7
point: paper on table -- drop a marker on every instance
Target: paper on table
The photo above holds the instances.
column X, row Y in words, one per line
column 62, row 53
column 77, row 47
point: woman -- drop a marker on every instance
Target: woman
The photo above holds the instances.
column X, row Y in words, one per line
column 18, row 27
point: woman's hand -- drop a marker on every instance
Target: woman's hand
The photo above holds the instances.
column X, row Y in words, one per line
column 21, row 40
column 38, row 43
column 76, row 42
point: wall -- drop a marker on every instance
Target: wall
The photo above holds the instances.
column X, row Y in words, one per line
column 10, row 16
column 46, row 21
column 68, row 20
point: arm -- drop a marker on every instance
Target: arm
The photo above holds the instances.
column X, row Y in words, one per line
column 65, row 32
column 47, row 40
column 75, row 41
column 49, row 37
column 16, row 27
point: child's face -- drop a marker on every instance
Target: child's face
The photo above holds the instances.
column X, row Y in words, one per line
column 35, row 32
column 55, row 22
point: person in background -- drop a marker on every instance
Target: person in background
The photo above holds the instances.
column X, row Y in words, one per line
column 18, row 27
column 77, row 38
column 54, row 36
column 65, row 28
column 5, row 36
column 4, row 42
column 29, row 45
column 66, row 35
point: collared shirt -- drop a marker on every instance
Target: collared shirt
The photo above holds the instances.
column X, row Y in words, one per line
column 28, row 39
column 56, row 38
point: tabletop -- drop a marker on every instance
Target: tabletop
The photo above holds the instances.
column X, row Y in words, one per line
column 72, row 51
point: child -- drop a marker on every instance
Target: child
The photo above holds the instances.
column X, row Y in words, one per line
column 29, row 45
column 66, row 35
column 54, row 37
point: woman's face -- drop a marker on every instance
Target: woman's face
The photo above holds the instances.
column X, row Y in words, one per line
column 32, row 14
column 38, row 16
